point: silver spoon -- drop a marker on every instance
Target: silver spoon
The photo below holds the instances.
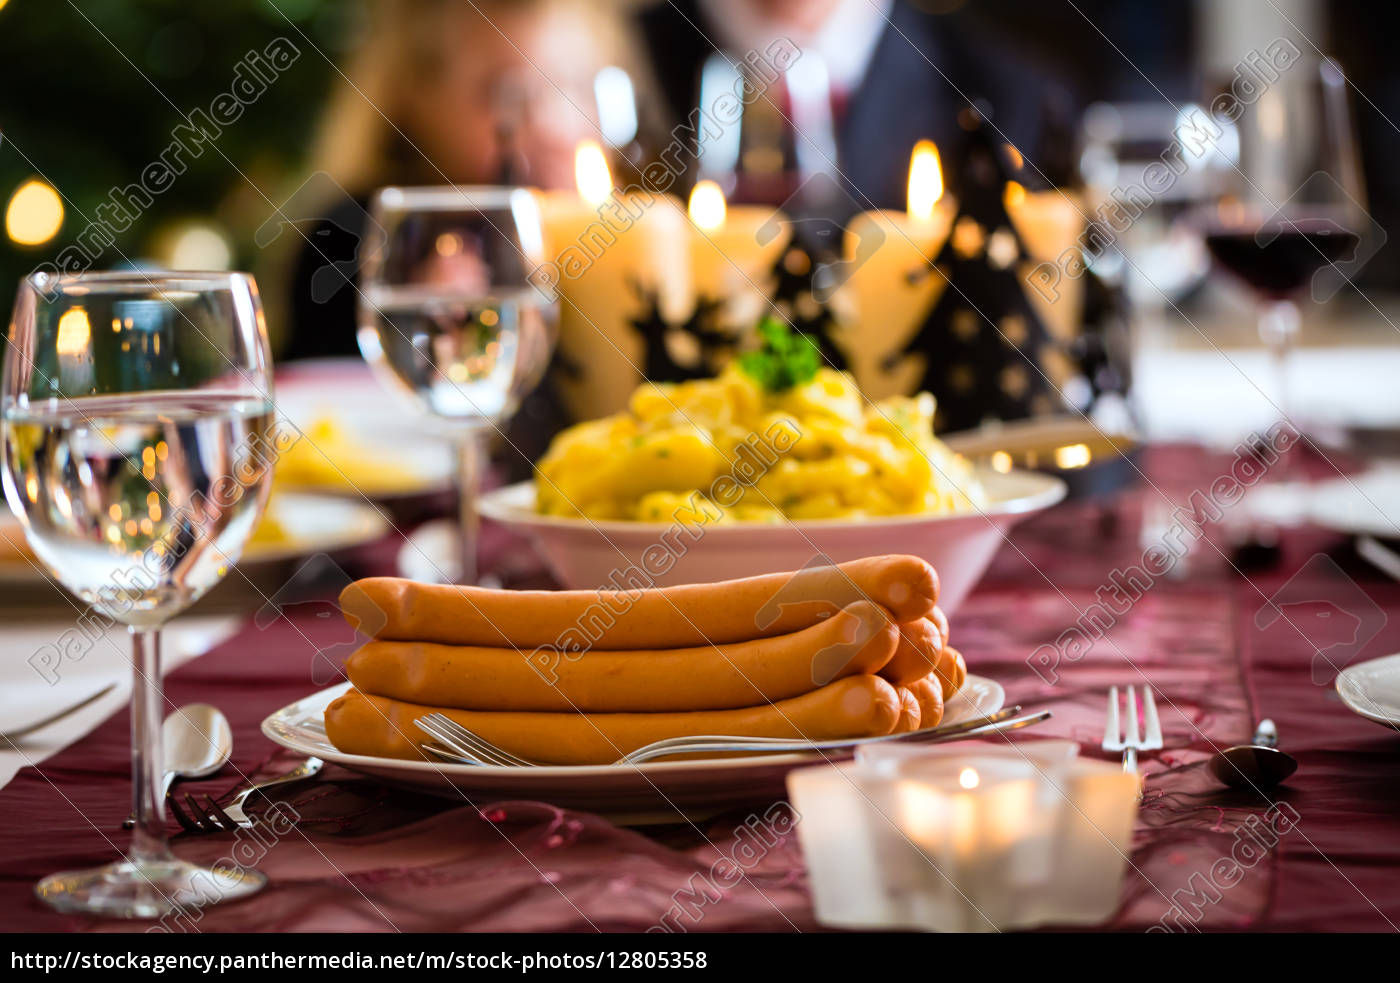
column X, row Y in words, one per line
column 1259, row 764
column 198, row 742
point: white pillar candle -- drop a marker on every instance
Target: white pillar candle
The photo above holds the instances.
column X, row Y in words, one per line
column 1049, row 224
column 892, row 287
column 606, row 245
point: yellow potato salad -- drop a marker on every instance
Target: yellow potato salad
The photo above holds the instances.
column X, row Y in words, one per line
column 814, row 451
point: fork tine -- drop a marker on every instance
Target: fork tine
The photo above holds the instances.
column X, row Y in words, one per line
column 452, row 734
column 1112, row 736
column 1133, row 735
column 1153, row 723
column 202, row 823
column 462, row 742
column 501, row 754
column 186, row 823
column 218, row 817
column 429, row 726
column 483, row 747
column 480, row 745
column 451, row 757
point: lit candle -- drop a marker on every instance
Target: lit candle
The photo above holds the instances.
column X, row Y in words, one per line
column 976, row 823
column 616, row 256
column 75, row 355
column 966, row 837
column 732, row 249
column 887, row 253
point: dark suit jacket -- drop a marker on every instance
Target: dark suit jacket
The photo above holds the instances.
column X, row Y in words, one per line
column 925, row 69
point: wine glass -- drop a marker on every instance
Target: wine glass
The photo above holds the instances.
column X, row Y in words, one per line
column 1160, row 258
column 1292, row 209
column 448, row 314
column 137, row 412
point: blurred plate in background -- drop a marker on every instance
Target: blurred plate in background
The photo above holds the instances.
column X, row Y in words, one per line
column 359, row 439
column 298, row 525
column 1364, row 505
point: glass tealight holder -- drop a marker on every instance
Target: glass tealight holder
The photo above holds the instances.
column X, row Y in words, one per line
column 972, row 838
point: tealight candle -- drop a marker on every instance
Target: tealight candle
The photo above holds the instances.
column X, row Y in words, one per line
column 618, row 259
column 975, row 825
column 968, row 837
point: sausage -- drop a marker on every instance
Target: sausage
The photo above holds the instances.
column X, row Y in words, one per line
column 941, row 620
column 929, row 695
column 859, row 639
column 651, row 618
column 910, row 712
column 857, row 706
column 951, row 671
column 916, row 654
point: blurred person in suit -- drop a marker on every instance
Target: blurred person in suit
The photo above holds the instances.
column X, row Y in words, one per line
column 897, row 73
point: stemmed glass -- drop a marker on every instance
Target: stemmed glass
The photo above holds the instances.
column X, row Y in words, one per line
column 138, row 454
column 1291, row 212
column 448, row 314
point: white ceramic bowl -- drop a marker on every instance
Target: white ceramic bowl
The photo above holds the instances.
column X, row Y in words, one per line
column 585, row 553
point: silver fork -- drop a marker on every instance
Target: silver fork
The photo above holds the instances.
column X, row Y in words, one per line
column 981, row 727
column 462, row 743
column 461, row 746
column 1131, row 739
column 213, row 818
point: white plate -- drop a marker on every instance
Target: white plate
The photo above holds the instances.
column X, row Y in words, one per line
column 586, row 554
column 1365, row 505
column 655, row 792
column 376, row 420
column 1372, row 689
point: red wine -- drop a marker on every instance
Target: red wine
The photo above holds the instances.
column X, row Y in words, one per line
column 1279, row 260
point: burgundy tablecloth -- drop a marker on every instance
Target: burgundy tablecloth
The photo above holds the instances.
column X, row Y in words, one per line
column 368, row 858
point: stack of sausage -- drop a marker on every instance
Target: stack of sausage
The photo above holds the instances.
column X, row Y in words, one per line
column 584, row 677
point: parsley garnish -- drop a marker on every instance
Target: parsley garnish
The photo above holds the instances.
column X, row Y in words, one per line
column 786, row 358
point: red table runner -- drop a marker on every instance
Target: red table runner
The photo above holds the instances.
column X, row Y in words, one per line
column 1322, row 854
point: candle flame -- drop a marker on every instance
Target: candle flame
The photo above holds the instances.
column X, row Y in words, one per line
column 591, row 173
column 707, row 208
column 968, row 778
column 1015, row 194
column 1001, row 461
column 925, row 180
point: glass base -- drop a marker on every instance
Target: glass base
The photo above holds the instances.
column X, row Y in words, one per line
column 146, row 890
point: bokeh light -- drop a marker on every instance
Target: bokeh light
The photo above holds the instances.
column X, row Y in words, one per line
column 35, row 213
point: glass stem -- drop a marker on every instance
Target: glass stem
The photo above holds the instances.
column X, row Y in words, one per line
column 469, row 465
column 147, row 756
column 1278, row 328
